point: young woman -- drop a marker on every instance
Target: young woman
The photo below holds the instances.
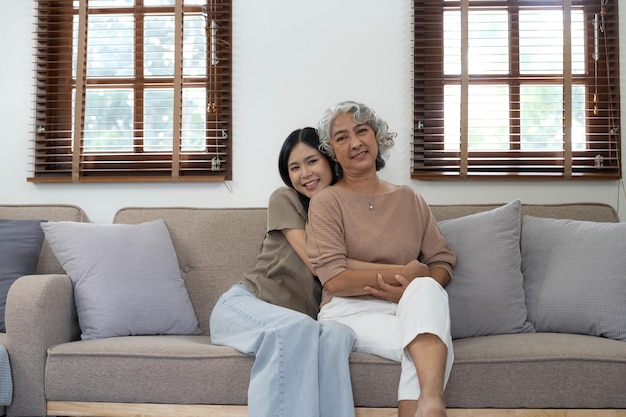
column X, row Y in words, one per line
column 301, row 365
column 398, row 308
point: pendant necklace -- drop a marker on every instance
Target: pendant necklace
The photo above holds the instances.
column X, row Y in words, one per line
column 371, row 206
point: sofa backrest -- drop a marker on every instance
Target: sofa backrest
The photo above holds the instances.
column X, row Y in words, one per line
column 48, row 263
column 595, row 212
column 215, row 247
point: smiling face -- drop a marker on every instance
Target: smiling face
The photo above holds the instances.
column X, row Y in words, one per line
column 309, row 171
column 354, row 144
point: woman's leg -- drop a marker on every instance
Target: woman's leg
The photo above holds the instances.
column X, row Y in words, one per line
column 284, row 378
column 377, row 328
column 336, row 343
column 378, row 331
column 386, row 329
column 425, row 318
column 429, row 356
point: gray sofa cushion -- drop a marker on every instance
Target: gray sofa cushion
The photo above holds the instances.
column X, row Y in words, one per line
column 215, row 247
column 575, row 276
column 126, row 278
column 20, row 246
column 486, row 294
column 48, row 263
column 6, row 381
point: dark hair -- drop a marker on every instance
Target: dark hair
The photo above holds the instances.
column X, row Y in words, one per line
column 309, row 137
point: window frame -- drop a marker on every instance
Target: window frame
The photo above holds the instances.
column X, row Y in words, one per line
column 60, row 158
column 430, row 161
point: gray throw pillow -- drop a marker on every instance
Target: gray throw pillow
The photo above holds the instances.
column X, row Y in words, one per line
column 126, row 278
column 486, row 294
column 20, row 246
column 575, row 276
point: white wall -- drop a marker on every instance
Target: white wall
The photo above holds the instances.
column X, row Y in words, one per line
column 292, row 59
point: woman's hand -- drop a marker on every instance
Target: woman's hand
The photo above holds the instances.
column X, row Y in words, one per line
column 367, row 281
column 416, row 269
column 387, row 291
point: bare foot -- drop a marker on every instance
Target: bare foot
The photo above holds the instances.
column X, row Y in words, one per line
column 431, row 407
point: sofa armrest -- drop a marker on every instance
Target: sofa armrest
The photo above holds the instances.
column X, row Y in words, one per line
column 40, row 313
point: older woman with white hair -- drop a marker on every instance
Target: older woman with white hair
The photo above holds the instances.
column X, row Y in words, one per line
column 395, row 299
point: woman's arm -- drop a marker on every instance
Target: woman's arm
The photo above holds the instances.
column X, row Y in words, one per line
column 393, row 293
column 441, row 275
column 353, row 282
column 356, row 264
column 295, row 237
column 325, row 246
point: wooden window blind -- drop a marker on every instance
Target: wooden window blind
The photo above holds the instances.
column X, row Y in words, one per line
column 133, row 90
column 516, row 89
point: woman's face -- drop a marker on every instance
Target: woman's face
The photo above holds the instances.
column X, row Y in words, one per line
column 309, row 171
column 355, row 145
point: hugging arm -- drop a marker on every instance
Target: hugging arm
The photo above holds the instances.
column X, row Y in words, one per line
column 393, row 292
column 376, row 280
column 296, row 238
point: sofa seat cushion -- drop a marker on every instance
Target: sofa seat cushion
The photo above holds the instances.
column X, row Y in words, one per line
column 147, row 369
column 529, row 370
column 541, row 370
column 538, row 370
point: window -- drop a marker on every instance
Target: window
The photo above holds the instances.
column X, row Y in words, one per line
column 133, row 90
column 516, row 89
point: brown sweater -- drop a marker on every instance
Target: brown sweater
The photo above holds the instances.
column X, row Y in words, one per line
column 399, row 228
column 280, row 277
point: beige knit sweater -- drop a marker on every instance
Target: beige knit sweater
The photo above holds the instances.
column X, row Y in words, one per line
column 399, row 227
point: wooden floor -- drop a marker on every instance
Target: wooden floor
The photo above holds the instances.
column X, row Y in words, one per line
column 74, row 409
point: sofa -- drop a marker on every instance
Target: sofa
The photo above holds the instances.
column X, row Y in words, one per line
column 513, row 356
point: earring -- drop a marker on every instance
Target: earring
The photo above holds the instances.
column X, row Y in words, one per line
column 338, row 171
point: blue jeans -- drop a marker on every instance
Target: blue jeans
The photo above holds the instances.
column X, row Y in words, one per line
column 301, row 365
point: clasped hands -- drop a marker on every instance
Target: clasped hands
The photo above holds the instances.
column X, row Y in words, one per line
column 394, row 291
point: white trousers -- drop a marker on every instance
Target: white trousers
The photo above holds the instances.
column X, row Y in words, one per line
column 385, row 329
